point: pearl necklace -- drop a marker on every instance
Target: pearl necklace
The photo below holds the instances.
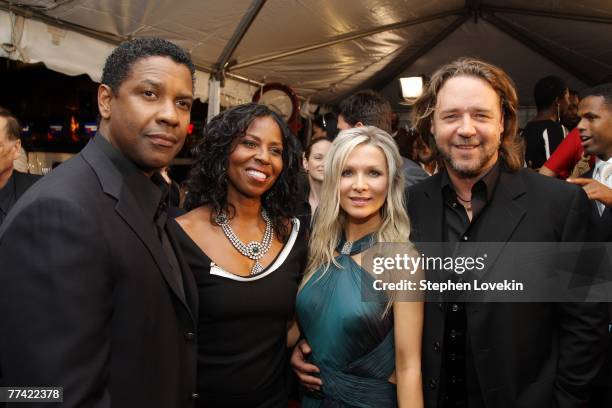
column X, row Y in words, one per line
column 253, row 250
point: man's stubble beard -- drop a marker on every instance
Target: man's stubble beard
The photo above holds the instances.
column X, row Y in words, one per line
column 473, row 171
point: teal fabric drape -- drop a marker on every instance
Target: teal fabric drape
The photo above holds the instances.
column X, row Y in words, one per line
column 352, row 342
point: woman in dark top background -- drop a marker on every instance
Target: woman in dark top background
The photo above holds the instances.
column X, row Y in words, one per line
column 247, row 253
column 310, row 184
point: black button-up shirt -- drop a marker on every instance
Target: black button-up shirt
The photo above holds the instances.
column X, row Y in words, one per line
column 459, row 382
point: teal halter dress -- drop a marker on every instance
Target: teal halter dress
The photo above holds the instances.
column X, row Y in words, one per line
column 352, row 342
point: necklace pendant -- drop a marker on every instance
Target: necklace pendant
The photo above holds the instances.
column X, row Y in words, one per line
column 257, row 268
column 254, row 250
column 346, row 248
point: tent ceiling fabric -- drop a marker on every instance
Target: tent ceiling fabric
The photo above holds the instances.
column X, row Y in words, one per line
column 529, row 39
column 524, row 73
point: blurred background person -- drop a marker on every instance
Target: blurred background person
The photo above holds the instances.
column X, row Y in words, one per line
column 13, row 183
column 596, row 133
column 426, row 155
column 544, row 132
column 361, row 348
column 314, row 166
column 369, row 108
column 21, row 163
column 325, row 125
column 247, row 252
column 569, row 117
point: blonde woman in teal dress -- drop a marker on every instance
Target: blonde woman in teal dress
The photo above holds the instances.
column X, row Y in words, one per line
column 368, row 353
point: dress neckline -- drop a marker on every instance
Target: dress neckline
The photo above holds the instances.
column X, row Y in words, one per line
column 354, row 247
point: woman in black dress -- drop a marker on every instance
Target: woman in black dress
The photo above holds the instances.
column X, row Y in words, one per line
column 247, row 252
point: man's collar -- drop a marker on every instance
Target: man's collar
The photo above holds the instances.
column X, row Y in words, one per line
column 144, row 189
column 123, row 164
column 489, row 180
column 599, row 162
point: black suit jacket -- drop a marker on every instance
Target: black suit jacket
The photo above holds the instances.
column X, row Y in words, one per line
column 23, row 181
column 525, row 354
column 87, row 298
column 602, row 224
column 602, row 232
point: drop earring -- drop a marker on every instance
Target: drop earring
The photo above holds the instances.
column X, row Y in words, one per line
column 558, row 113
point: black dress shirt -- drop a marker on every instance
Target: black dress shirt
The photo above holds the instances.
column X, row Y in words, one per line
column 459, row 386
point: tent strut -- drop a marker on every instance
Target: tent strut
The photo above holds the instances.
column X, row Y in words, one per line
column 241, row 30
column 343, row 38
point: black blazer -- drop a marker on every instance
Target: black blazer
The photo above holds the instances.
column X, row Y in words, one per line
column 602, row 224
column 87, row 298
column 23, row 181
column 525, row 354
column 602, row 232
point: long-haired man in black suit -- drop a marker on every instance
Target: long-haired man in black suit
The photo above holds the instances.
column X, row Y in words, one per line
column 498, row 354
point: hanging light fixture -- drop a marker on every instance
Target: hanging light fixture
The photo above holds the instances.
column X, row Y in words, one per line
column 411, row 87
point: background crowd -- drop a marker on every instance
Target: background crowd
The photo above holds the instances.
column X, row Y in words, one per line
column 128, row 291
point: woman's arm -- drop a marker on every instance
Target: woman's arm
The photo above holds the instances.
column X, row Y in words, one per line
column 293, row 333
column 408, row 330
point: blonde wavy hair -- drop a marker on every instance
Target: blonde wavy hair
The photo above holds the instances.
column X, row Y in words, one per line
column 329, row 219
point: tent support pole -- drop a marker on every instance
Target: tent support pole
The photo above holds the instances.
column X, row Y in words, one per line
column 241, row 30
column 214, row 97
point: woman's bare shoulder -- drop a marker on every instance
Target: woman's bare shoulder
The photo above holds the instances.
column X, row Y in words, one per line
column 195, row 219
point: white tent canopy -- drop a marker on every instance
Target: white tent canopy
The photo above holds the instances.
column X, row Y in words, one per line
column 323, row 49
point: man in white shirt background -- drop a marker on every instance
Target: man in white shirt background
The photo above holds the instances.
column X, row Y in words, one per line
column 595, row 128
column 595, row 110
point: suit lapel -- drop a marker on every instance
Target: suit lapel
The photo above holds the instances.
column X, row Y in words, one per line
column 601, row 224
column 426, row 209
column 128, row 209
column 189, row 283
column 502, row 216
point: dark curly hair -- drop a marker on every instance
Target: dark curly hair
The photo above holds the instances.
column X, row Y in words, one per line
column 207, row 181
column 119, row 62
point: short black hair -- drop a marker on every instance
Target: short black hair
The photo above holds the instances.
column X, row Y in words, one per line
column 603, row 90
column 207, row 182
column 368, row 107
column 13, row 128
column 119, row 63
column 548, row 89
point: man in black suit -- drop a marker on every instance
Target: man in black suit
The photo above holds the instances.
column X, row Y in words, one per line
column 12, row 182
column 498, row 354
column 595, row 126
column 93, row 297
column 494, row 355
